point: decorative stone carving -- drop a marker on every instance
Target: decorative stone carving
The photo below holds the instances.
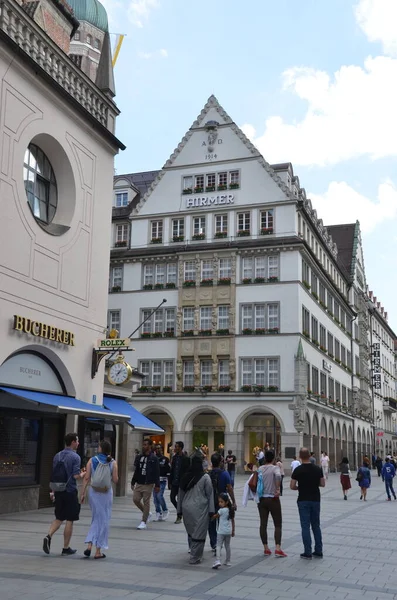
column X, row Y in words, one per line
column 205, row 348
column 196, row 318
column 300, row 413
column 196, row 369
column 179, row 370
column 187, row 347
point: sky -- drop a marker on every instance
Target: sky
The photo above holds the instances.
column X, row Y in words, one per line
column 311, row 82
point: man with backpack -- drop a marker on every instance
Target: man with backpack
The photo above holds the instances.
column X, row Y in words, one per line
column 146, row 477
column 221, row 484
column 66, row 469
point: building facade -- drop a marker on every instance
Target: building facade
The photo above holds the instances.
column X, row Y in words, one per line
column 255, row 339
column 56, row 153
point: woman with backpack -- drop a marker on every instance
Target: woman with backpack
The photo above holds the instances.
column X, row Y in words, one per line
column 101, row 472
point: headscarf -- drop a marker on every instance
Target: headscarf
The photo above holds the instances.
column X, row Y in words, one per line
column 195, row 472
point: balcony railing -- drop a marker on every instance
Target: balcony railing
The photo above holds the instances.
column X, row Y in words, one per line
column 389, row 404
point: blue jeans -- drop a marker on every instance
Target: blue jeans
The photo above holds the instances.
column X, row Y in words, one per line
column 158, row 498
column 232, row 473
column 309, row 513
column 389, row 488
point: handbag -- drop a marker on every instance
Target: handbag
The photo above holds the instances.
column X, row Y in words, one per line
column 360, row 476
column 253, row 482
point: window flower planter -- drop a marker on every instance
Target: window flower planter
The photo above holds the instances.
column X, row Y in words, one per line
column 266, row 230
column 187, row 191
column 309, row 392
column 148, row 286
column 330, row 355
column 170, row 286
column 224, row 281
column 222, row 332
column 260, row 331
column 207, row 282
column 155, row 388
column 273, row 330
column 178, row 238
column 198, row 236
column 167, row 388
column 198, row 189
column 121, row 244
column 205, row 332
column 157, row 334
column 143, row 389
column 222, row 187
column 306, row 284
column 315, row 342
column 259, row 388
column 234, row 186
column 207, row 388
column 314, row 295
column 146, row 335
column 337, row 360
column 157, row 240
column 247, row 331
column 159, row 286
column 116, row 288
column 323, row 349
column 272, row 279
column 243, row 233
column 210, row 188
column 189, row 283
column 306, row 334
column 259, row 280
column 246, row 388
column 220, row 234
column 169, row 334
column 188, row 388
column 224, row 388
column 247, row 280
column 273, row 388
column 322, row 304
column 188, row 333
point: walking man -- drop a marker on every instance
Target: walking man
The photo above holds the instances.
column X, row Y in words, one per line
column 313, row 458
column 268, row 490
column 307, row 479
column 180, row 464
column 295, row 463
column 221, row 484
column 158, row 497
column 231, row 461
column 66, row 470
column 388, row 474
column 325, row 464
column 146, row 477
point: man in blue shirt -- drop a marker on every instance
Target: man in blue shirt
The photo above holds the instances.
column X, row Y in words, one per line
column 388, row 473
column 67, row 506
column 221, row 483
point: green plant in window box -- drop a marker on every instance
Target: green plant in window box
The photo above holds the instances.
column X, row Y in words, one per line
column 116, row 288
column 156, row 240
column 169, row 333
column 222, row 187
column 188, row 333
column 178, row 238
column 143, row 389
column 157, row 334
column 224, row 281
column 234, row 186
column 198, row 236
column 187, row 190
column 170, row 285
column 338, row 361
column 247, row 331
column 260, row 331
column 188, row 388
column 330, row 355
column 167, row 388
column 155, row 388
column 272, row 279
column 314, row 295
column 205, row 332
column 224, row 388
column 323, row 348
column 273, row 388
column 259, row 280
column 306, row 284
column 222, row 332
column 221, row 234
column 159, row 286
column 121, row 244
column 198, row 189
column 246, row 388
column 207, row 388
column 148, row 286
column 273, row 330
column 243, row 233
column 189, row 283
column 247, row 280
column 205, row 282
column 309, row 392
column 210, row 188
column 146, row 334
column 266, row 230
column 306, row 334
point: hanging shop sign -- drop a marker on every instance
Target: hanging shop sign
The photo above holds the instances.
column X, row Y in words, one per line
column 376, row 367
column 114, row 343
column 48, row 332
column 208, row 201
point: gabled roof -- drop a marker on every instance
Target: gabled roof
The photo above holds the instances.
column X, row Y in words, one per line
column 212, row 103
column 344, row 237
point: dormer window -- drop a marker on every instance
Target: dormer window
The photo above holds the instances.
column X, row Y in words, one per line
column 89, row 39
column 77, row 36
column 121, row 199
column 97, row 44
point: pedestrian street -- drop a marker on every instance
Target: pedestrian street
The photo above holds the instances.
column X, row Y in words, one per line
column 359, row 555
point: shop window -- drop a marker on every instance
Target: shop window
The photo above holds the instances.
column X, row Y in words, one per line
column 19, row 438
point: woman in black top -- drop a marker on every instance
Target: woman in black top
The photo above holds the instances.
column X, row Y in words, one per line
column 345, row 476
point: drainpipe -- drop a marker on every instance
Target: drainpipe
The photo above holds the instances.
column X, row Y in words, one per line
column 352, row 379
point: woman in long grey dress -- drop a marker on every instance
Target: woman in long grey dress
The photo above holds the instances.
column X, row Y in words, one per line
column 196, row 504
column 100, row 502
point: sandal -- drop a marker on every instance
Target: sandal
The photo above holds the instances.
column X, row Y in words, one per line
column 87, row 552
column 100, row 556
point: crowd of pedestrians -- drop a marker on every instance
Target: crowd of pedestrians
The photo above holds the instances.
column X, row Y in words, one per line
column 202, row 494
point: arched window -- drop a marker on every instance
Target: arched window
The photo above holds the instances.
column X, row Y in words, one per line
column 97, row 44
column 40, row 184
column 88, row 39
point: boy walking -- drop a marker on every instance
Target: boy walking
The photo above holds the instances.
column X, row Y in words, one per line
column 388, row 474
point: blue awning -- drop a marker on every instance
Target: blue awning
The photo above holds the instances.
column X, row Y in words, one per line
column 137, row 420
column 66, row 404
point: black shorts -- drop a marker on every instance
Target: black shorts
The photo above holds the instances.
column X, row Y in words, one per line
column 67, row 506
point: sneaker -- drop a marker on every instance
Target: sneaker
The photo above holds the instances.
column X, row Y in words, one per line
column 213, row 551
column 47, row 544
column 150, row 517
column 306, row 556
column 142, row 525
column 227, row 564
column 68, row 551
column 345, row 497
column 178, row 520
column 216, row 564
column 165, row 515
column 318, row 554
column 267, row 552
column 389, row 499
column 280, row 554
column 158, row 517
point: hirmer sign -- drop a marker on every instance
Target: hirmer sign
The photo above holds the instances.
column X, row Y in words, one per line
column 208, row 201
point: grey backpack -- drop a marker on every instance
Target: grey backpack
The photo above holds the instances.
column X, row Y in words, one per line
column 101, row 478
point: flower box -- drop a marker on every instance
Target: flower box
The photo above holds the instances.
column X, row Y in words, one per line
column 337, row 360
column 207, row 388
column 306, row 334
column 198, row 189
column 259, row 280
column 187, row 191
column 247, row 331
column 243, row 233
column 309, row 392
column 330, row 355
column 259, row 388
column 159, row 286
column 314, row 295
column 143, row 389
column 148, row 286
column 167, row 388
column 220, row 234
column 315, row 342
column 246, row 388
column 158, row 240
column 169, row 334
column 155, row 388
column 188, row 333
column 170, row 286
column 222, row 187
column 198, row 236
column 146, row 335
column 260, row 331
column 272, row 279
column 116, row 288
column 266, row 230
column 188, row 388
column 157, row 334
column 273, row 330
column 273, row 388
column 178, row 238
column 234, row 186
column 222, row 332
column 224, row 388
column 306, row 284
column 210, row 188
column 189, row 283
column 205, row 332
column 323, row 349
column 247, row 280
column 121, row 244
column 207, row 282
column 224, row 281
column 322, row 304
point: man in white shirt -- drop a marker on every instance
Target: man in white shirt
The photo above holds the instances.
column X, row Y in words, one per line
column 325, row 464
column 261, row 456
column 295, row 463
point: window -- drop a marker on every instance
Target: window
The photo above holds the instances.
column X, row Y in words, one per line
column 88, row 39
column 172, row 273
column 243, row 221
column 161, row 321
column 267, row 219
column 248, row 268
column 246, row 371
column 122, row 234
column 160, row 273
column 225, row 268
column 321, row 294
column 211, row 181
column 117, row 278
column 169, row 373
column 222, row 179
column 223, row 317
column 260, row 371
column 234, row 177
column 314, row 284
column 272, row 267
column 336, row 311
column 158, row 321
column 305, row 272
column 148, row 275
column 330, row 344
column 337, row 391
column 223, row 370
column 199, row 226
column 205, row 317
column 156, row 230
column 323, row 384
column 314, row 329
column 188, row 319
column 314, row 380
column 343, row 354
column 19, row 445
column 331, row 389
column 337, row 349
column 147, row 324
column 188, row 183
column 121, row 199
column 273, row 316
column 305, row 321
column 97, row 44
column 273, row 372
column 260, row 316
column 156, row 373
column 188, row 373
column 260, row 267
column 190, row 270
column 178, row 227
column 199, row 183
column 114, row 320
column 349, row 359
column 206, row 372
column 145, row 370
column 330, row 303
column 207, row 269
column 221, row 223
column 344, row 394
column 323, row 337
column 246, row 316
column 77, row 36
column 40, row 184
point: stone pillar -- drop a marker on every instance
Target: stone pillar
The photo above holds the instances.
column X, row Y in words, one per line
column 290, row 440
column 123, row 461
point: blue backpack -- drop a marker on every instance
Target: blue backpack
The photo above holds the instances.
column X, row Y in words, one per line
column 59, row 476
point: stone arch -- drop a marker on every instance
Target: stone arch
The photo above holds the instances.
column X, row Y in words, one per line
column 323, row 436
column 156, row 408
column 350, row 447
column 165, row 419
column 338, row 443
column 239, row 422
column 331, row 446
column 316, row 436
column 187, row 423
column 257, row 427
column 344, row 440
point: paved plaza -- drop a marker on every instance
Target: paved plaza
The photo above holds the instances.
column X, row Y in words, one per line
column 359, row 559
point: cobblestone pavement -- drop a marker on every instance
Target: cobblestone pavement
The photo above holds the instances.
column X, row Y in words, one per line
column 359, row 540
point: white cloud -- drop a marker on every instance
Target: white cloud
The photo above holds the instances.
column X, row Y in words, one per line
column 139, row 11
column 378, row 18
column 343, row 204
column 157, row 54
